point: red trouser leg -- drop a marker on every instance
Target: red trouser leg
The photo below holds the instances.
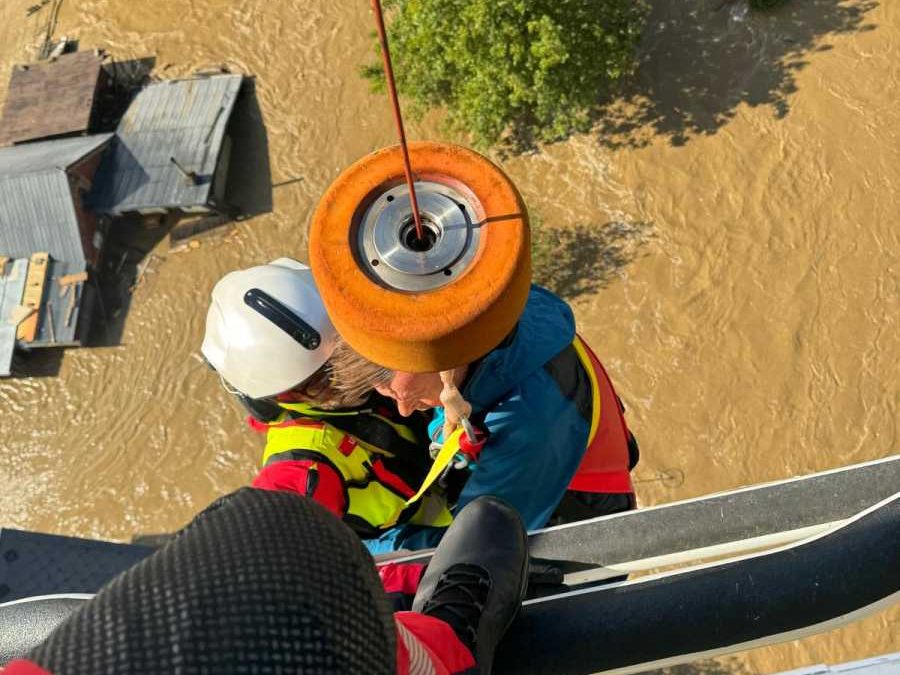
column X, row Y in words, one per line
column 401, row 577
column 428, row 646
column 400, row 581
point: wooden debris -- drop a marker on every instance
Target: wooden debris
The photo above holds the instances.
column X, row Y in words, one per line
column 142, row 268
column 50, row 324
column 121, row 262
column 3, row 260
column 206, row 226
column 69, row 279
column 70, row 308
column 20, row 313
column 33, row 295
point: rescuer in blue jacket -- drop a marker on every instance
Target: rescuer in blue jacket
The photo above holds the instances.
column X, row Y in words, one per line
column 553, row 420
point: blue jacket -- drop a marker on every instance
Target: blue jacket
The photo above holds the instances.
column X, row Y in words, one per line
column 537, row 436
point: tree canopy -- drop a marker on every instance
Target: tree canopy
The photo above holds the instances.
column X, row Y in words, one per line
column 511, row 69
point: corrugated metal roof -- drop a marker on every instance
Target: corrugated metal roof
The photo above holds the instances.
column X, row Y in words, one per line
column 53, row 304
column 184, row 119
column 12, row 285
column 56, row 304
column 46, row 155
column 36, row 209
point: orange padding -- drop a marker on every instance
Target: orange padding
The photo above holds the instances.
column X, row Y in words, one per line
column 438, row 329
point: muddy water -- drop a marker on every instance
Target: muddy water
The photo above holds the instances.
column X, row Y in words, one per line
column 728, row 237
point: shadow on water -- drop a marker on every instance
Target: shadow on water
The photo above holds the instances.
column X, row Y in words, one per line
column 249, row 185
column 700, row 60
column 580, row 260
column 127, row 257
column 125, row 80
column 45, row 362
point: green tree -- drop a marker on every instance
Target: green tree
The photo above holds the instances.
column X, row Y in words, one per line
column 515, row 70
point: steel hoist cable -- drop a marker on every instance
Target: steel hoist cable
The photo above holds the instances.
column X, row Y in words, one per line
column 398, row 118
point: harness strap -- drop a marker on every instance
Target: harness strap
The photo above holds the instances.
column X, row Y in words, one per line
column 441, row 462
column 377, row 432
column 595, row 386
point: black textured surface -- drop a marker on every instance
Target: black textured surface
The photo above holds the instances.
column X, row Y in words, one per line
column 43, row 564
column 261, row 582
column 708, row 609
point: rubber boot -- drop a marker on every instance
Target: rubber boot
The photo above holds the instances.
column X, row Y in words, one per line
column 478, row 576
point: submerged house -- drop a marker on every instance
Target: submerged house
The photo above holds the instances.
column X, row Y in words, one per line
column 171, row 150
column 59, row 197
column 48, row 242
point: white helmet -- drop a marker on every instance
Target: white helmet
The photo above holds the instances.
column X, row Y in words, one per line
column 267, row 330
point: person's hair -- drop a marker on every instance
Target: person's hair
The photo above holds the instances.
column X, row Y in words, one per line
column 353, row 375
column 344, row 381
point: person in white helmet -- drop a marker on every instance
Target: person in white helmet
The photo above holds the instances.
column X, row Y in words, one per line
column 269, row 338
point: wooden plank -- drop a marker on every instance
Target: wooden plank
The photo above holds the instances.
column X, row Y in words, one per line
column 50, row 321
column 33, row 295
column 20, row 313
column 68, row 279
column 50, row 98
column 70, row 308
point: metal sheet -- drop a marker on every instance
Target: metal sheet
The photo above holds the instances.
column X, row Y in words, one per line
column 7, row 346
column 12, row 285
column 714, row 519
column 41, row 564
column 715, row 609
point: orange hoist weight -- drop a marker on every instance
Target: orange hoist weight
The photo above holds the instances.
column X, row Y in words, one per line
column 431, row 303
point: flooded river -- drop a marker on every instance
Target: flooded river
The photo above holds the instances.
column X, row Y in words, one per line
column 728, row 236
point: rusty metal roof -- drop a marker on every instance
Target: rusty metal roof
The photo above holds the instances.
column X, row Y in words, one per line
column 180, row 119
column 51, row 98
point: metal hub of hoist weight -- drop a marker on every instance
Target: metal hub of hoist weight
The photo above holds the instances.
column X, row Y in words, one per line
column 392, row 254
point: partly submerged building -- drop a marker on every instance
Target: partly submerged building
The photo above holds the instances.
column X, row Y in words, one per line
column 48, row 240
column 171, row 151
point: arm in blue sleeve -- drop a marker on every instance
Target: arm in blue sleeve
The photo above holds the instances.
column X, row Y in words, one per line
column 410, row 537
column 528, row 461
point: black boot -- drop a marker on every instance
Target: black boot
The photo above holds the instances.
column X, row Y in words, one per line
column 477, row 578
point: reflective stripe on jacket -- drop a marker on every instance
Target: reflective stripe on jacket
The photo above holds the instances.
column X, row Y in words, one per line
column 605, row 465
column 376, row 480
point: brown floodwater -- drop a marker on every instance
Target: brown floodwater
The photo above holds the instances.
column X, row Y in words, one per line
column 728, row 236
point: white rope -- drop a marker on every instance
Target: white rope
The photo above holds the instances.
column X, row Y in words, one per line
column 456, row 408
